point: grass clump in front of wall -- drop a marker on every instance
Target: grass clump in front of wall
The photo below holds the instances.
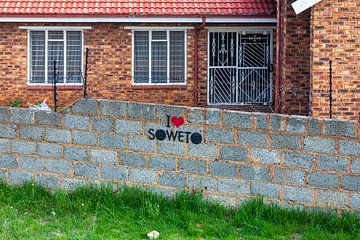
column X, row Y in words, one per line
column 31, row 212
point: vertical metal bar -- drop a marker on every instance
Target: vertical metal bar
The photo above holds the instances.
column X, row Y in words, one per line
column 86, row 71
column 54, row 87
column 331, row 89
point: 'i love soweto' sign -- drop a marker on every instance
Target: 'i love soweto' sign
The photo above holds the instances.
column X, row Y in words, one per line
column 175, row 135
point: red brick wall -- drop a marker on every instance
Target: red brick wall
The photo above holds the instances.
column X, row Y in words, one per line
column 336, row 36
column 295, row 58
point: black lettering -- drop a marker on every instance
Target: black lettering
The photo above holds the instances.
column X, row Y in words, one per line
column 181, row 136
column 187, row 136
column 160, row 135
column 171, row 135
column 168, row 121
column 196, row 138
column 152, row 135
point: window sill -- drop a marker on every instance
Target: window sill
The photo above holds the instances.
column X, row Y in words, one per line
column 50, row 88
column 158, row 87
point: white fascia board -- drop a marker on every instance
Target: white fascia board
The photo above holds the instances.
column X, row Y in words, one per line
column 157, row 28
column 301, row 5
column 137, row 20
column 55, row 28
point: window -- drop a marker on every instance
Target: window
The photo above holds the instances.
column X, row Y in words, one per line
column 159, row 57
column 62, row 47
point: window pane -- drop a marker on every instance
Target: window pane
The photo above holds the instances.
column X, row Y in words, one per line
column 141, row 57
column 159, row 62
column 159, row 35
column 37, row 57
column 56, row 53
column 177, row 57
column 73, row 57
column 56, row 35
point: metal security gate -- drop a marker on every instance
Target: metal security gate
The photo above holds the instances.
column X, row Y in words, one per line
column 240, row 67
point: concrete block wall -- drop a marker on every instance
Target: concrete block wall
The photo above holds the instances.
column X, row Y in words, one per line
column 291, row 160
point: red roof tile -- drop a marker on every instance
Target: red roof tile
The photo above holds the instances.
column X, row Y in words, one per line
column 144, row 8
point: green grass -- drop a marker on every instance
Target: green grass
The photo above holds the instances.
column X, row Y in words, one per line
column 31, row 212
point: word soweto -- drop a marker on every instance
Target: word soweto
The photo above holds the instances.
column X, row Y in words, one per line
column 171, row 135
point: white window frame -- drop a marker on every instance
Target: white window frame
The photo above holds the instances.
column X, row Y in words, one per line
column 150, row 30
column 46, row 30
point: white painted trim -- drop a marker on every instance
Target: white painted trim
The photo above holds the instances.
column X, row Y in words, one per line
column 301, row 5
column 137, row 20
column 235, row 29
column 156, row 28
column 55, row 28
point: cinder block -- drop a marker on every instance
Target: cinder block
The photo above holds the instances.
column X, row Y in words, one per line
column 285, row 141
column 47, row 181
column 172, row 179
column 50, row 150
column 330, row 198
column 128, row 127
column 22, row 115
column 58, row 135
column 247, row 138
column 89, row 170
column 165, row 192
column 319, row 144
column 223, row 200
column 111, row 140
column 296, row 124
column 141, row 110
column 114, row 172
column 77, row 122
column 85, row 106
column 104, row 156
column 289, row 176
column 71, row 184
column 192, row 166
column 76, row 153
column 232, row 186
column 4, row 146
column 202, row 183
column 22, row 147
column 332, row 163
column 296, row 159
column 4, row 114
column 251, row 172
column 31, row 132
column 265, row 156
column 338, row 127
column 8, row 161
column 278, row 122
column 233, row 153
column 262, row 121
column 314, row 126
column 48, row 118
column 349, row 147
column 238, row 119
column 298, row 194
column 223, row 169
column 132, row 159
column 173, row 148
column 202, row 151
column 355, row 165
column 31, row 163
column 142, row 176
column 57, row 166
column 350, row 183
column 162, row 162
column 113, row 108
column 354, row 200
column 16, row 177
column 324, row 180
column 103, row 124
column 7, row 131
column 141, row 144
column 84, row 138
column 204, row 116
column 265, row 189
column 162, row 111
column 219, row 135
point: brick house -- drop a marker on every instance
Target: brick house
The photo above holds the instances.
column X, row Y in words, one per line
column 190, row 52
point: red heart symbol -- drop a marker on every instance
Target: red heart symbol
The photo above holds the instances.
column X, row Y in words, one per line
column 177, row 121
